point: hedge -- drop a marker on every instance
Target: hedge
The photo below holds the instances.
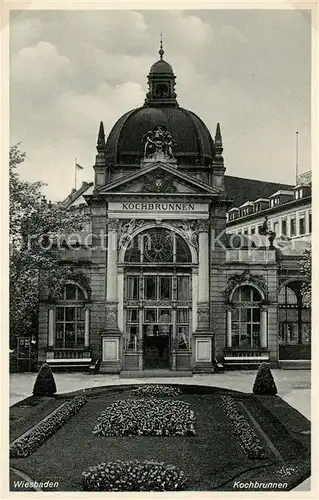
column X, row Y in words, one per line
column 246, row 435
column 27, row 444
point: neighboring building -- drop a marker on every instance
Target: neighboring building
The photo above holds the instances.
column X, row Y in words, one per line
column 157, row 281
column 288, row 211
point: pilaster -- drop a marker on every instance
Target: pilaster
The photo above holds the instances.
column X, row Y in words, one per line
column 111, row 336
column 203, row 338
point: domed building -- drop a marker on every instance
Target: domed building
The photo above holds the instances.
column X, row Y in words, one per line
column 157, row 283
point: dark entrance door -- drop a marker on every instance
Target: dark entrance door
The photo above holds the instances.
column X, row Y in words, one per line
column 156, row 348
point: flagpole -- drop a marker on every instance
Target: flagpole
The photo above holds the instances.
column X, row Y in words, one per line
column 75, row 174
column 297, row 158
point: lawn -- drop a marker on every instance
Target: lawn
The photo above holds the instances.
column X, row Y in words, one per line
column 212, row 459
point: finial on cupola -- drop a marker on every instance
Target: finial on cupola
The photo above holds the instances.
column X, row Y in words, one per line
column 101, row 138
column 218, row 135
column 161, row 51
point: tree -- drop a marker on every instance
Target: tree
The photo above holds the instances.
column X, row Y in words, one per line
column 264, row 381
column 45, row 383
column 305, row 269
column 34, row 228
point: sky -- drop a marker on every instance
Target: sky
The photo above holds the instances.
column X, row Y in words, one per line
column 250, row 70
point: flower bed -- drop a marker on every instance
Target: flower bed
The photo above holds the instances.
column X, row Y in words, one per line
column 27, row 444
column 157, row 390
column 133, row 476
column 146, row 417
column 246, row 435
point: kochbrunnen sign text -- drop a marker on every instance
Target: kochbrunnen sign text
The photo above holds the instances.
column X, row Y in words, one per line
column 158, row 206
column 149, row 210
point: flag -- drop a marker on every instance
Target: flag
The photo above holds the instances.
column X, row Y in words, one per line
column 78, row 166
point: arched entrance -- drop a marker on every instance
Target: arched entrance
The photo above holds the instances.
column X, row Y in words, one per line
column 157, row 298
column 294, row 333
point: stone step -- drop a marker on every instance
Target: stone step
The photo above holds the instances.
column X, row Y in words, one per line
column 295, row 364
column 203, row 369
column 154, row 373
column 107, row 367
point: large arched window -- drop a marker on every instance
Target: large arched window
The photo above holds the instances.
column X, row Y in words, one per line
column 158, row 245
column 70, row 317
column 157, row 293
column 294, row 318
column 245, row 329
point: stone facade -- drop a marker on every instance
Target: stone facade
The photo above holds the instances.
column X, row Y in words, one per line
column 161, row 286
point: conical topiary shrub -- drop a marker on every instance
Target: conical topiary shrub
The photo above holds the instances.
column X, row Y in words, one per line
column 264, row 382
column 45, row 383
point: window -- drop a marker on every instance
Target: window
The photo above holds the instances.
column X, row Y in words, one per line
column 276, row 227
column 182, row 329
column 70, row 318
column 164, row 321
column 162, row 90
column 150, row 315
column 165, row 291
column 159, row 245
column 132, row 287
column 292, row 227
column 294, row 318
column 165, row 316
column 157, row 287
column 132, row 328
column 302, row 228
column 287, row 296
column 246, row 318
column 252, row 230
column 182, row 251
column 133, row 251
column 284, row 227
column 300, row 193
column 150, row 287
column 183, row 288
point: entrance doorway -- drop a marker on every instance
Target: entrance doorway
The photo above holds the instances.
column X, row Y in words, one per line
column 157, row 335
column 156, row 353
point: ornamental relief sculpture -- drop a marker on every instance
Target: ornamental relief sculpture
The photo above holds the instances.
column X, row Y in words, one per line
column 111, row 314
column 203, row 314
column 189, row 229
column 245, row 277
column 158, row 144
column 159, row 183
column 113, row 224
column 190, row 232
column 126, row 229
column 203, row 226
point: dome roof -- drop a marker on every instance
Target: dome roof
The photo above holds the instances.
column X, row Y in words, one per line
column 193, row 140
column 161, row 66
column 193, row 144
